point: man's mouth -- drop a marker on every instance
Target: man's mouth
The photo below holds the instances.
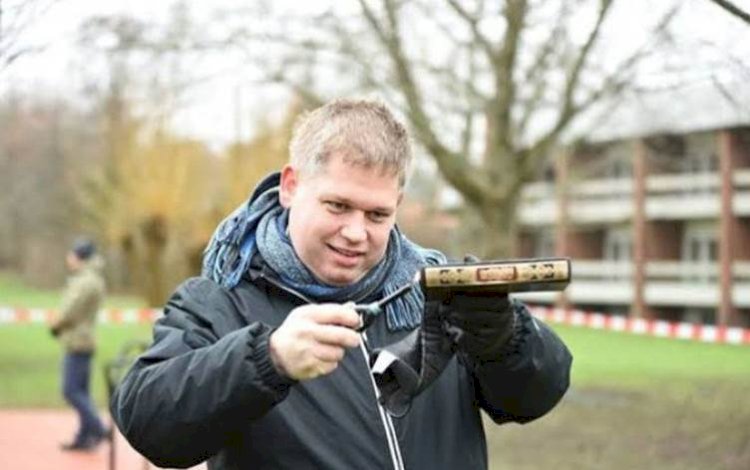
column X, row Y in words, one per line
column 346, row 253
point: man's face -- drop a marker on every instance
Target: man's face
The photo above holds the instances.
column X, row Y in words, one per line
column 340, row 218
column 72, row 261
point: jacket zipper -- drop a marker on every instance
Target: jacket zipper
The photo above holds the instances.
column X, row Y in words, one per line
column 385, row 418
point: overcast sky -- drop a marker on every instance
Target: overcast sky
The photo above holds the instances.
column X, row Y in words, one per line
column 211, row 113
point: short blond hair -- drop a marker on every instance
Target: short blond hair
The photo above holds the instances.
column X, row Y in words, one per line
column 363, row 132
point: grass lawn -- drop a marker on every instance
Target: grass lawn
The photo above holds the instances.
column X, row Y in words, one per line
column 603, row 358
column 30, row 363
column 30, row 359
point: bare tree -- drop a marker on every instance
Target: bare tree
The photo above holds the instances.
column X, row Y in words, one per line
column 155, row 196
column 44, row 143
column 15, row 19
column 733, row 9
column 487, row 87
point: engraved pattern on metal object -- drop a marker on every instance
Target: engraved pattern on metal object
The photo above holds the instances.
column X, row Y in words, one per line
column 496, row 273
column 509, row 273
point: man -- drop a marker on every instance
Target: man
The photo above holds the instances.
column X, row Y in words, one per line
column 75, row 330
column 259, row 365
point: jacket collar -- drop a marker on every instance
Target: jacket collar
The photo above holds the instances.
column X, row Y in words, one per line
column 258, row 271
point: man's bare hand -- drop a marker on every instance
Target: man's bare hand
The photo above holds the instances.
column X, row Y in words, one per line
column 313, row 339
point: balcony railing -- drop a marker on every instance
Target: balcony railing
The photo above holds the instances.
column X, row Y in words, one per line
column 686, row 183
column 668, row 283
column 669, row 197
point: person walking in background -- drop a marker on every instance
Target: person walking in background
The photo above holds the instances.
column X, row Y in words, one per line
column 75, row 329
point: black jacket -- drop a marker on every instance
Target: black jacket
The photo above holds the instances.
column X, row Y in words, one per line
column 206, row 389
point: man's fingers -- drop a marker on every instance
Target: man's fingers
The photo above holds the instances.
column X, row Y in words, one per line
column 325, row 368
column 335, row 335
column 328, row 353
column 334, row 314
column 313, row 339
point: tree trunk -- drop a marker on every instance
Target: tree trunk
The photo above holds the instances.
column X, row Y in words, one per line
column 499, row 234
column 133, row 278
column 155, row 233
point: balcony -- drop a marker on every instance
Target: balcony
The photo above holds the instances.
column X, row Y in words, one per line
column 601, row 201
column 594, row 282
column 680, row 197
column 538, row 205
column 741, row 198
column 668, row 283
column 609, row 201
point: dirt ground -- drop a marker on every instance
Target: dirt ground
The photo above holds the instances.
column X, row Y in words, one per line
column 30, row 440
column 595, row 428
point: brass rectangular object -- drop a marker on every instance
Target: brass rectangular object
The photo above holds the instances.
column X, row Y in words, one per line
column 516, row 275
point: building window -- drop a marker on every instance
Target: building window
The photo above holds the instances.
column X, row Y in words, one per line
column 544, row 244
column 700, row 255
column 618, row 251
column 619, row 168
column 701, row 163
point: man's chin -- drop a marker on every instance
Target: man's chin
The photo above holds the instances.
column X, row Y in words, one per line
column 341, row 279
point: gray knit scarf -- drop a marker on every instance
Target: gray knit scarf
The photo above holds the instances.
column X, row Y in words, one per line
column 258, row 226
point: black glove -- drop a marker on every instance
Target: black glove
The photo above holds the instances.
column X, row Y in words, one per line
column 480, row 324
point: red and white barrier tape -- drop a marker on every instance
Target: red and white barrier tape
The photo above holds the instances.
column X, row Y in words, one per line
column 599, row 321
column 640, row 326
column 112, row 316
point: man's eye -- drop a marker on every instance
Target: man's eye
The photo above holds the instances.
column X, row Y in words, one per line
column 336, row 206
column 377, row 216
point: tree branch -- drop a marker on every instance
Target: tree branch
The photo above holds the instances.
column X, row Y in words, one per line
column 350, row 48
column 427, row 10
column 473, row 22
column 20, row 17
column 613, row 85
column 503, row 69
column 453, row 167
column 733, row 9
column 537, row 70
column 467, row 135
column 568, row 108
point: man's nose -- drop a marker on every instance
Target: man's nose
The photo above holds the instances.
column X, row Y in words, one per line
column 354, row 229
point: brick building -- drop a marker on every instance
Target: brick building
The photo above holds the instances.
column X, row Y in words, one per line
column 654, row 210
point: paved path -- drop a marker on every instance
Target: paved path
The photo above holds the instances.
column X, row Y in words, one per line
column 30, row 440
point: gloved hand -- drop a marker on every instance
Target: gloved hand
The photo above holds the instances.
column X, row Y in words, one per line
column 480, row 324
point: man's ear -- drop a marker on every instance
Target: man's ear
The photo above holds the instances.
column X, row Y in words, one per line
column 289, row 184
